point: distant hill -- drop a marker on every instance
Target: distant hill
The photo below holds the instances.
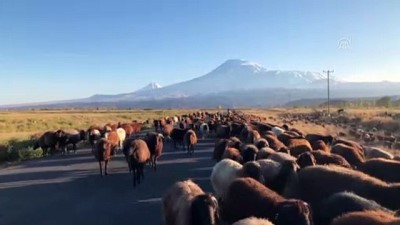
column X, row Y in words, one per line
column 235, row 83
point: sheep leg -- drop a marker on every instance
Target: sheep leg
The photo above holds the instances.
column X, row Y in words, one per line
column 101, row 168
column 44, row 151
column 105, row 168
column 74, row 147
column 141, row 172
column 134, row 178
column 155, row 163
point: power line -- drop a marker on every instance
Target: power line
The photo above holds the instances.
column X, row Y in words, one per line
column 328, row 72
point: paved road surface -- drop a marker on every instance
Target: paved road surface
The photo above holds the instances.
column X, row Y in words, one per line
column 69, row 190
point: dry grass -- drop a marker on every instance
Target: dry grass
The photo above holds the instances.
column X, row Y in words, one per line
column 21, row 125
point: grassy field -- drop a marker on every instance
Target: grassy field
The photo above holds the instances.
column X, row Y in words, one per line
column 23, row 124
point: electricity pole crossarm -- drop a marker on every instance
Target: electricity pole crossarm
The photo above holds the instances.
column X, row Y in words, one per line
column 328, row 72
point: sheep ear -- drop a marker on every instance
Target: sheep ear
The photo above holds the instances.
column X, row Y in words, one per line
column 215, row 201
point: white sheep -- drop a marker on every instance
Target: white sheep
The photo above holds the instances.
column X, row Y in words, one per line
column 253, row 221
column 186, row 202
column 374, row 152
column 277, row 131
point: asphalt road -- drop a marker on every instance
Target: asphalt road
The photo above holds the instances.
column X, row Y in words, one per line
column 69, row 190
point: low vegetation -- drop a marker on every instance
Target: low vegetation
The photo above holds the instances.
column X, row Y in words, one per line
column 19, row 129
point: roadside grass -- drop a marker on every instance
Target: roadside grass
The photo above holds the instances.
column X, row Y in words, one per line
column 18, row 129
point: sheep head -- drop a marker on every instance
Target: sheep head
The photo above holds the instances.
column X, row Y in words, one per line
column 293, row 212
column 306, row 159
column 204, row 210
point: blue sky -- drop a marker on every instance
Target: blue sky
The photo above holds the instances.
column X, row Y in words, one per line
column 53, row 50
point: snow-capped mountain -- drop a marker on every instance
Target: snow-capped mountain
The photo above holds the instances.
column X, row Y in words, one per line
column 236, row 75
column 149, row 87
column 237, row 82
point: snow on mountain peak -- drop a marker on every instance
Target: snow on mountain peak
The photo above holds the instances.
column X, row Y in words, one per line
column 151, row 86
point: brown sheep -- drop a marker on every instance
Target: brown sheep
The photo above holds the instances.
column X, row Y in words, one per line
column 253, row 136
column 155, row 143
column 371, row 217
column 321, row 146
column 351, row 154
column 185, row 203
column 232, row 153
column 324, row 158
column 306, row 159
column 264, row 153
column 313, row 138
column 113, row 139
column 167, row 129
column 353, row 144
column 223, row 131
column 247, row 197
column 190, row 140
column 249, row 153
column 298, row 146
column 102, row 153
column 49, row 139
column 384, row 169
column 274, row 142
column 222, row 144
column 137, row 154
column 314, row 183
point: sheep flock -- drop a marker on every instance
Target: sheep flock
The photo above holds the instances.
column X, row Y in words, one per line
column 264, row 172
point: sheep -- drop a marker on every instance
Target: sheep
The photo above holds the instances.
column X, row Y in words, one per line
column 204, row 130
column 353, row 144
column 374, row 152
column 276, row 175
column 49, row 139
column 103, row 153
column 121, row 136
column 298, row 146
column 253, row 136
column 185, row 203
column 320, row 145
column 324, row 158
column 313, row 138
column 223, row 131
column 226, row 170
column 269, row 169
column 278, row 131
column 73, row 137
column 370, row 217
column 190, row 140
column 263, row 153
column 93, row 136
column 306, row 159
column 247, row 197
column 351, row 154
column 222, row 144
column 249, row 153
column 155, row 143
column 281, row 157
column 177, row 135
column 113, row 140
column 253, row 221
column 137, row 154
column 316, row 182
column 384, row 169
column 341, row 203
column 232, row 153
column 261, row 143
column 274, row 142
column 244, row 134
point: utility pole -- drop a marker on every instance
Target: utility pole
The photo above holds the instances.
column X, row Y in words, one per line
column 328, row 72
